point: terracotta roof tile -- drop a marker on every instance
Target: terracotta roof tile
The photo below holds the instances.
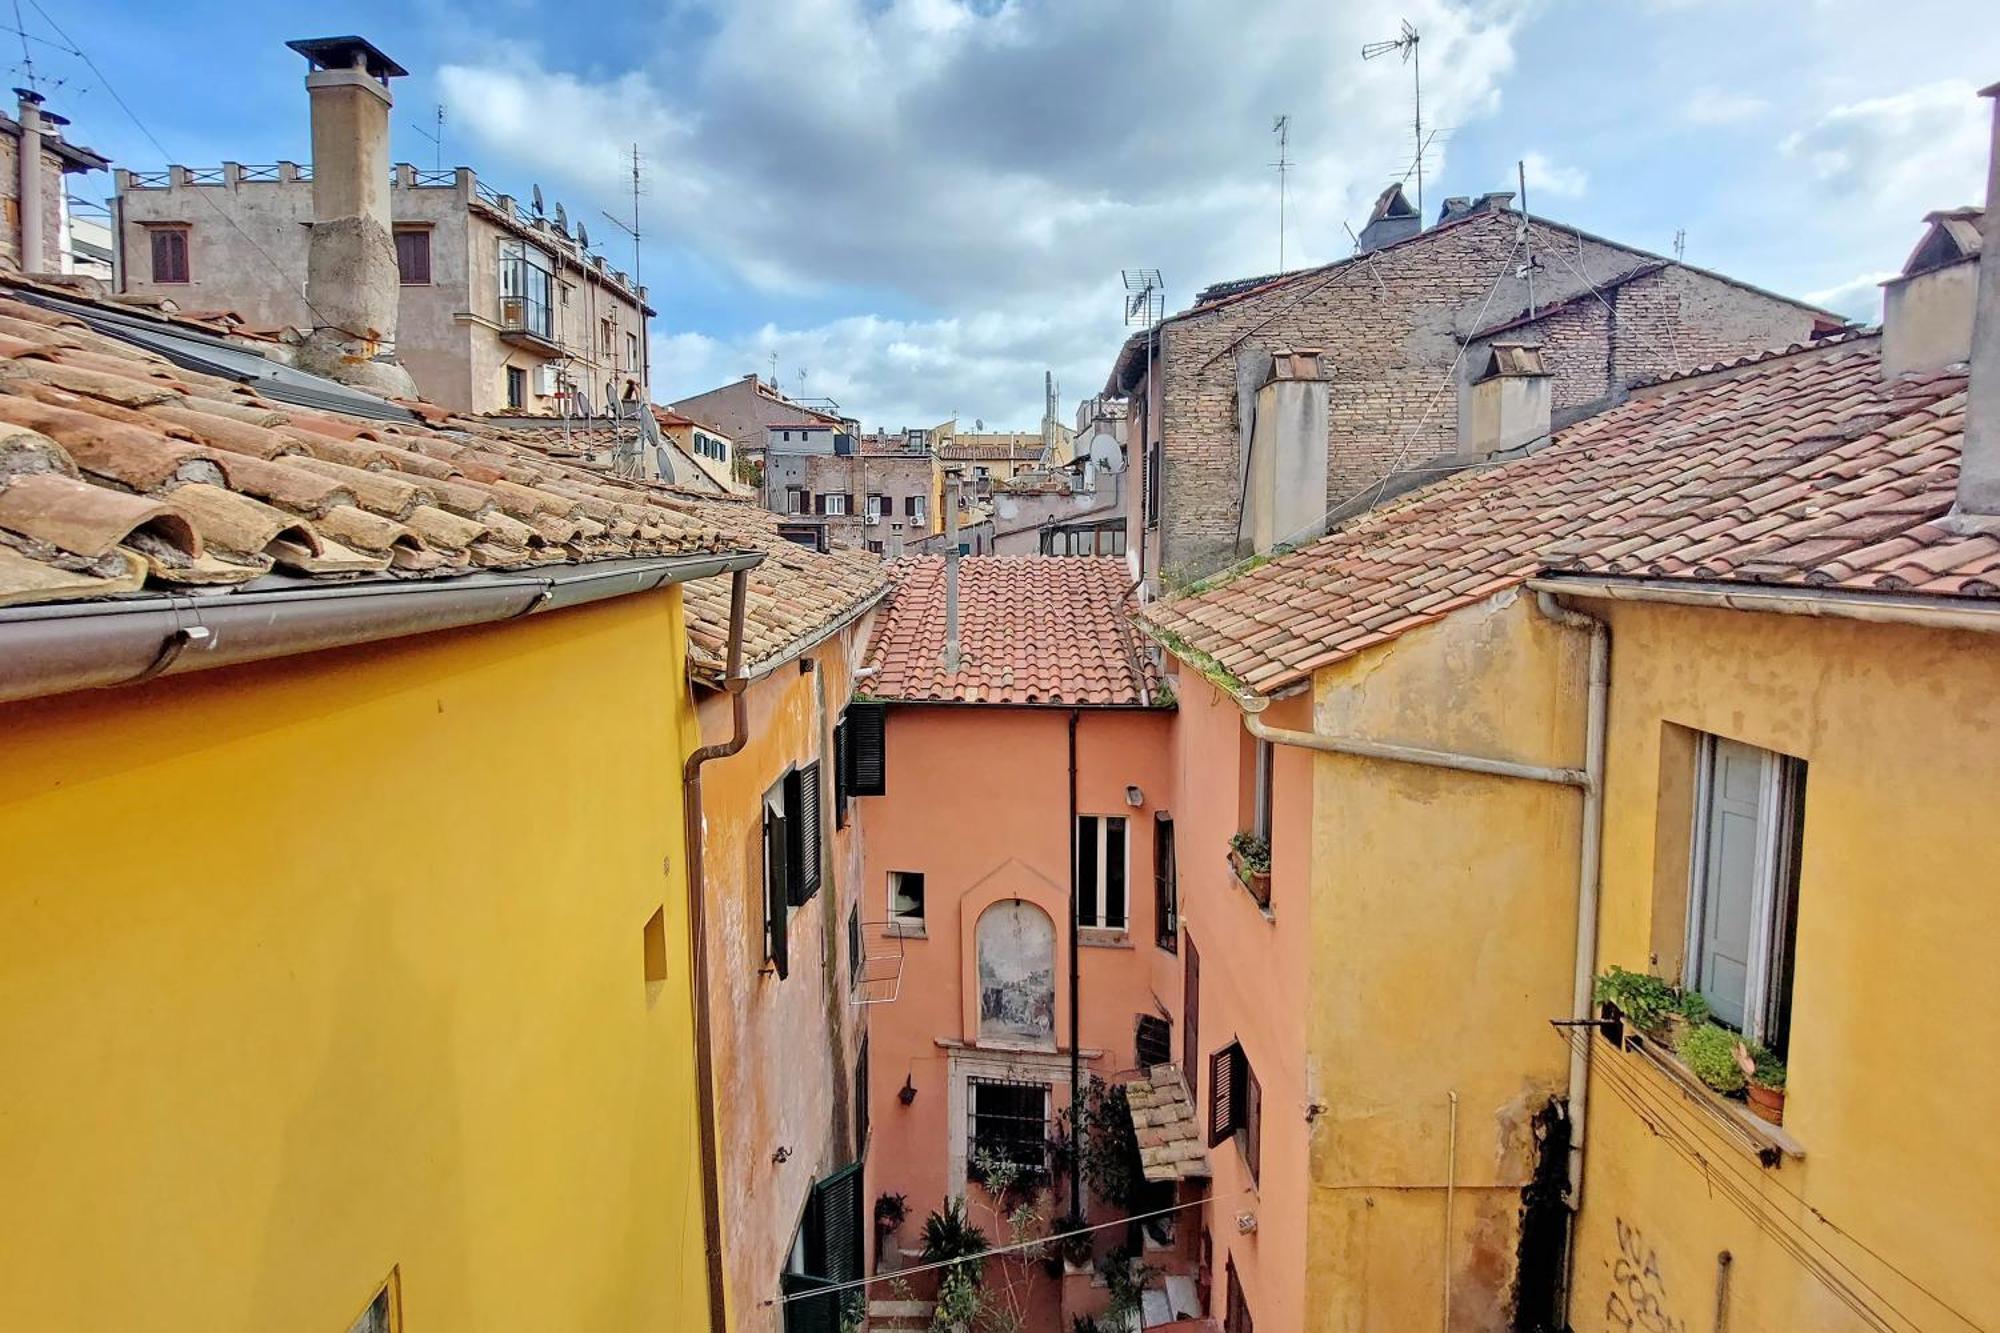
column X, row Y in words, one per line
column 1708, row 479
column 121, row 473
column 1033, row 629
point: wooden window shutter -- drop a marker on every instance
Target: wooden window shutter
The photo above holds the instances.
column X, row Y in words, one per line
column 1252, row 1094
column 840, row 779
column 802, row 809
column 867, row 725
column 777, row 896
column 819, row 503
column 1191, row 1018
column 1222, row 1101
column 836, row 1208
column 1152, row 1041
column 1166, row 884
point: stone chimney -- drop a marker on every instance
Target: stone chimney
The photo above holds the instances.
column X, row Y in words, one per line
column 1979, row 466
column 1392, row 219
column 1284, row 496
column 1507, row 406
column 351, row 282
column 1927, row 308
column 33, row 183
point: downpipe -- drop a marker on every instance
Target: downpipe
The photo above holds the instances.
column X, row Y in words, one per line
column 694, row 821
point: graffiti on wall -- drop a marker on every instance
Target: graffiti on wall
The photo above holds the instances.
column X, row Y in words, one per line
column 1637, row 1300
column 1017, row 974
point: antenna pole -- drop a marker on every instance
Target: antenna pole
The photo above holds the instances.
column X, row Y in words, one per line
column 1282, row 127
column 1417, row 83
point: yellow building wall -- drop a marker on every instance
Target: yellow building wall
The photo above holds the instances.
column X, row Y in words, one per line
column 1893, row 1085
column 1443, row 940
column 325, row 967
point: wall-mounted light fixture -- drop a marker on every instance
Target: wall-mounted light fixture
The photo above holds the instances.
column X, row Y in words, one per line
column 908, row 1092
column 1134, row 797
column 780, row 1157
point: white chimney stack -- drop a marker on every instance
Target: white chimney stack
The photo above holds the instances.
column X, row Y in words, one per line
column 1285, row 492
column 351, row 281
column 1509, row 402
column 1927, row 308
column 1979, row 465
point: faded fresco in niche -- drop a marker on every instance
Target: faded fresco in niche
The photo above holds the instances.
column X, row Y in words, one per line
column 1017, row 974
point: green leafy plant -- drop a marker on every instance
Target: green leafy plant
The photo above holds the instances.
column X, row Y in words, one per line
column 890, row 1210
column 1710, row 1052
column 1107, row 1149
column 1647, row 1001
column 950, row 1236
column 1770, row 1073
column 1126, row 1278
column 853, row 1311
column 1254, row 852
column 1083, row 1323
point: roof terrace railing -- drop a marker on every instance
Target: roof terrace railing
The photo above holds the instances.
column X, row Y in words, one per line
column 266, row 172
column 151, row 180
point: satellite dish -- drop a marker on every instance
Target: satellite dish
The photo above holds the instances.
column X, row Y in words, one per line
column 582, row 236
column 562, row 219
column 538, row 200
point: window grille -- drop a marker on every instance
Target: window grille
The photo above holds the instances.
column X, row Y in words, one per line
column 1008, row 1122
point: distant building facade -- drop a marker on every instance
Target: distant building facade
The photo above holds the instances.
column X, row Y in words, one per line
column 882, row 492
column 499, row 309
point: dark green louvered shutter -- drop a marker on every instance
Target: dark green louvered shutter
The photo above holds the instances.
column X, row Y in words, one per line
column 866, row 769
column 777, row 898
column 840, row 781
column 802, row 810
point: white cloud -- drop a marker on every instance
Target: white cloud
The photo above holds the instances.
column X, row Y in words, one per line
column 1857, row 298
column 1915, row 150
column 949, row 156
column 1711, row 106
column 1546, row 177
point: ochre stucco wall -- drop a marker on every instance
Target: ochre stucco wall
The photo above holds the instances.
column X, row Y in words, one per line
column 1892, row 1085
column 1443, row 941
column 784, row 1048
column 326, row 966
column 978, row 801
column 1254, row 970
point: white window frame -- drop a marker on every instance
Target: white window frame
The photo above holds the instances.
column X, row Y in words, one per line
column 1092, row 913
column 902, row 923
column 836, row 504
column 795, row 500
column 921, row 513
column 1768, row 898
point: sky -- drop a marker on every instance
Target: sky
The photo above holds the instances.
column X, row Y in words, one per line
column 919, row 206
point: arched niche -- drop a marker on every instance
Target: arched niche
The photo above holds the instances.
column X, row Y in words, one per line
column 1017, row 975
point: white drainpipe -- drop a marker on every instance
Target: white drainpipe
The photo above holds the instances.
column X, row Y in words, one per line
column 1590, row 842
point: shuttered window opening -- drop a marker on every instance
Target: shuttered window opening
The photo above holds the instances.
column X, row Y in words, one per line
column 1166, row 885
column 1152, row 1041
column 867, row 725
column 1236, row 1310
column 170, row 254
column 840, row 781
column 802, row 812
column 854, row 945
column 1236, row 1104
column 777, row 890
column 825, row 1254
column 1191, row 1020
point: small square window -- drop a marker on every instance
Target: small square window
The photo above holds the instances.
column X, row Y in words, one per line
column 170, row 254
column 1009, row 1123
column 517, row 387
column 413, row 256
column 906, row 896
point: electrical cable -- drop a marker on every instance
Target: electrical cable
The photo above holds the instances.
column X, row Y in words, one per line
column 1666, row 1109
column 1017, row 1246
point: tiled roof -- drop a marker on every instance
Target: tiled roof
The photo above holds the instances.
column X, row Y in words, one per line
column 121, row 472
column 1163, row 1118
column 1033, row 629
column 1803, row 469
column 1019, row 447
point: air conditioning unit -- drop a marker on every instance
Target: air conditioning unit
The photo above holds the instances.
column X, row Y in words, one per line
column 546, row 378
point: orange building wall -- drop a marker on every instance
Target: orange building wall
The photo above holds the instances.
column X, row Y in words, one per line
column 800, row 1105
column 1253, row 988
column 978, row 801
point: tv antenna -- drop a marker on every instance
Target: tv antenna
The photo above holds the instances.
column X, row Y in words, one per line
column 436, row 138
column 632, row 229
column 1405, row 43
column 1680, row 245
column 1281, row 126
column 1145, row 295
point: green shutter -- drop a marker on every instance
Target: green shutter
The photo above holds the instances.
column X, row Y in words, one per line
column 867, row 723
column 777, row 898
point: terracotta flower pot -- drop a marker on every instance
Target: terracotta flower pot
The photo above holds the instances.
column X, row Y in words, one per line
column 1767, row 1103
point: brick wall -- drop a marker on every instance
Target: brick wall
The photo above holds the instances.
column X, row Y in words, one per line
column 1392, row 324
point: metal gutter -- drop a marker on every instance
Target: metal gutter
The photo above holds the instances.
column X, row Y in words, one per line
column 57, row 648
column 694, row 823
column 1253, row 705
column 1979, row 616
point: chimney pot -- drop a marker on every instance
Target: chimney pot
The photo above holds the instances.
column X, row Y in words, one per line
column 1927, row 308
column 1507, row 406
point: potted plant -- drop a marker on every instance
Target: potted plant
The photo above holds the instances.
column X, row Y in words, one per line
column 890, row 1210
column 1764, row 1074
column 1709, row 1052
column 1073, row 1241
column 1250, row 858
column 1656, row 1007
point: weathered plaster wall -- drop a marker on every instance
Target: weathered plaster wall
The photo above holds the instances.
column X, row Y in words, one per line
column 297, row 986
column 228, row 226
column 54, row 182
column 1898, row 901
column 1443, row 941
column 1254, row 988
column 980, row 842
column 785, row 1049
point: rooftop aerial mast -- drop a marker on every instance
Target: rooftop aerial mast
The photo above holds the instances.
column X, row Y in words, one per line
column 1406, row 43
